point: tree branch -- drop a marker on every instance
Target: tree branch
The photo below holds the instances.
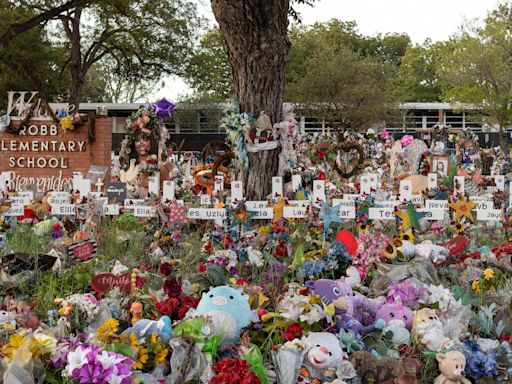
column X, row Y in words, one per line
column 18, row 28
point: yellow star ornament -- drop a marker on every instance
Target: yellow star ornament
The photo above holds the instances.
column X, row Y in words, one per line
column 278, row 210
column 462, row 208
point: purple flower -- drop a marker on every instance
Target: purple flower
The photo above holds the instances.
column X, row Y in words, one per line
column 406, row 292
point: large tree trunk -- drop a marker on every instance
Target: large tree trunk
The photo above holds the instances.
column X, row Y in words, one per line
column 76, row 67
column 256, row 37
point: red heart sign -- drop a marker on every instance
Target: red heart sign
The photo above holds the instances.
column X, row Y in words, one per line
column 83, row 251
column 103, row 282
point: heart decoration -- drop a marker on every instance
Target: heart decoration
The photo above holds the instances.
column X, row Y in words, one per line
column 83, row 251
column 351, row 165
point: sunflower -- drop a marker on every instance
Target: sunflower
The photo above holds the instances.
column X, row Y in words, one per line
column 389, row 252
column 142, row 358
column 106, row 330
column 363, row 228
column 459, row 228
column 407, row 236
column 397, row 242
column 160, row 355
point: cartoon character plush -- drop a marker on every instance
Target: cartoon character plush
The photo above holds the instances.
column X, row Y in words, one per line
column 227, row 311
column 323, row 356
column 428, row 330
column 346, row 304
column 144, row 328
column 398, row 320
column 451, row 365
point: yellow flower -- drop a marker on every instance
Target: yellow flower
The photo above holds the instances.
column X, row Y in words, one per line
column 42, row 344
column 15, row 342
column 66, row 123
column 364, row 228
column 153, row 338
column 397, row 242
column 489, row 274
column 313, row 299
column 459, row 228
column 160, row 355
column 389, row 252
column 133, row 340
column 142, row 358
column 106, row 330
column 476, row 286
column 407, row 236
column 263, row 231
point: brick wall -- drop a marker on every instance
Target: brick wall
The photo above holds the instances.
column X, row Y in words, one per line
column 97, row 153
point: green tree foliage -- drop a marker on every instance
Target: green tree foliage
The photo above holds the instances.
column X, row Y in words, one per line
column 347, row 88
column 101, row 50
column 475, row 67
column 208, row 72
column 344, row 74
column 417, row 78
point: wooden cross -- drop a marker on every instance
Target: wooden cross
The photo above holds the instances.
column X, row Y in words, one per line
column 99, row 185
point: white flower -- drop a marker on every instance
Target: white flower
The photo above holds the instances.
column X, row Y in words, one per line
column 76, row 359
column 346, row 370
column 106, row 360
column 255, row 257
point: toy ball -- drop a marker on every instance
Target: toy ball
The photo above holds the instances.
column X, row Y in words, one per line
column 347, row 238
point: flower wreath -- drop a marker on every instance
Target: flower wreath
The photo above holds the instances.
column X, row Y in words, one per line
column 142, row 122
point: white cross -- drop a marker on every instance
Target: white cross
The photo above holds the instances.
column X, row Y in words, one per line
column 99, row 185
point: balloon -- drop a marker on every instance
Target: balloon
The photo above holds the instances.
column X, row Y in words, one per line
column 163, row 108
column 347, row 238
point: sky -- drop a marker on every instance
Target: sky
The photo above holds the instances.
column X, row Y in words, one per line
column 420, row 19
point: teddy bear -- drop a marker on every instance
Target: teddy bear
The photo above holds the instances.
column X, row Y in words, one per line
column 451, row 365
column 428, row 330
column 347, row 304
column 398, row 320
column 322, row 358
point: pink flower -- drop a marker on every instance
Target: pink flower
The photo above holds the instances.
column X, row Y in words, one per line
column 384, row 134
column 406, row 140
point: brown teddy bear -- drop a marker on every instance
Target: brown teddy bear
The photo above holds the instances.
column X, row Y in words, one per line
column 451, row 366
column 427, row 329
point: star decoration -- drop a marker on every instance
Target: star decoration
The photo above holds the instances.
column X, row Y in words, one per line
column 278, row 209
column 241, row 216
column 463, row 208
column 329, row 215
column 163, row 108
column 177, row 213
column 410, row 218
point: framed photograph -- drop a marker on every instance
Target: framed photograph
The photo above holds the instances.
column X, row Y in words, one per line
column 440, row 165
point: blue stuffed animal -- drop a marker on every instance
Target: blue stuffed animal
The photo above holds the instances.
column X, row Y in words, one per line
column 144, row 328
column 226, row 310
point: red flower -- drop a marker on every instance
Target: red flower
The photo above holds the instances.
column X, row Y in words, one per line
column 167, row 307
column 187, row 302
column 172, row 287
column 293, row 331
column 166, row 269
column 233, row 371
column 201, row 268
column 321, row 155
